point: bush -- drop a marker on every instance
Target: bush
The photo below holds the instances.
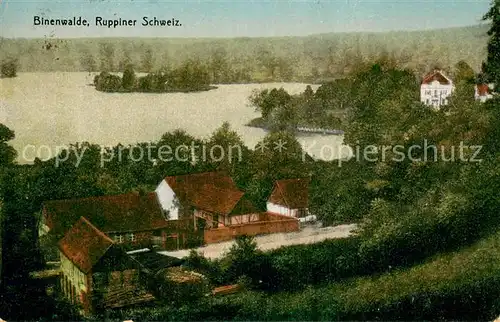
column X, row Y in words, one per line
column 295, row 267
column 107, row 82
column 287, row 268
column 245, row 259
column 211, row 269
column 9, row 68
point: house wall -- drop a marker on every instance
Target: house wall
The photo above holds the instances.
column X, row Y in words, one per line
column 481, row 98
column 435, row 94
column 246, row 218
column 168, row 201
column 115, row 288
column 146, row 238
column 282, row 210
column 209, row 217
column 134, row 239
column 74, row 283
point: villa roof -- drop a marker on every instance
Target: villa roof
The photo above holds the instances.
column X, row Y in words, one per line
column 210, row 191
column 436, row 75
column 291, row 193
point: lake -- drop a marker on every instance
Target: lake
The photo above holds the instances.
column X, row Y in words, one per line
column 56, row 109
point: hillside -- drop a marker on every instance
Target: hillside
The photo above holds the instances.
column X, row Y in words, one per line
column 446, row 286
column 330, row 54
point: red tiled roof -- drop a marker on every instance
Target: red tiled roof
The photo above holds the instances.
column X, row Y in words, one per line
column 291, row 193
column 84, row 244
column 210, row 191
column 115, row 213
column 436, row 75
column 482, row 89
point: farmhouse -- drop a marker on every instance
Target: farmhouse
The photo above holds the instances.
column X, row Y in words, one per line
column 133, row 219
column 290, row 198
column 95, row 272
column 209, row 197
column 435, row 89
column 185, row 211
column 214, row 205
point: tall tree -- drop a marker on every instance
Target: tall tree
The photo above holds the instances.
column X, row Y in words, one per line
column 7, row 152
column 147, row 61
column 107, row 55
column 463, row 72
column 226, row 144
column 126, row 60
column 492, row 65
column 87, row 61
column 128, row 80
column 219, row 65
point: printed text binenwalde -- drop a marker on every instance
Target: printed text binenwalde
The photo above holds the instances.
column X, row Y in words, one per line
column 109, row 23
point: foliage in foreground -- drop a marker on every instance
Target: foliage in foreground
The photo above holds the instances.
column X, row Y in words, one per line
column 457, row 285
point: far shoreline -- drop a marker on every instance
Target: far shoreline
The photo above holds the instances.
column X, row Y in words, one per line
column 259, row 123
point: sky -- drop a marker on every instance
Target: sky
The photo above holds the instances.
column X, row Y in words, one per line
column 238, row 18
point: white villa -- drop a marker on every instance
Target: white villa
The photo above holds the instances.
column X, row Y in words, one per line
column 435, row 89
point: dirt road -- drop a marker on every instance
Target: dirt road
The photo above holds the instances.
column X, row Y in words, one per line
column 307, row 235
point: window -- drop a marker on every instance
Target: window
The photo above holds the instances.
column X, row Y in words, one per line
column 428, row 92
column 118, row 239
column 302, row 212
column 435, row 92
column 131, row 237
column 427, row 101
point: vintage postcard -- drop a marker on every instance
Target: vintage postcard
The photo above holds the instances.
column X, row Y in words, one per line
column 249, row 160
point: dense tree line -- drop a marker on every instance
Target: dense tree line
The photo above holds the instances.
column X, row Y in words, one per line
column 308, row 59
column 191, row 76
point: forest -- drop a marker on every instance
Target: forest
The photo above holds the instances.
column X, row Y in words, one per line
column 311, row 59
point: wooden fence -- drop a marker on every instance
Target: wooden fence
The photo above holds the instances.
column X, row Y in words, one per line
column 268, row 224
